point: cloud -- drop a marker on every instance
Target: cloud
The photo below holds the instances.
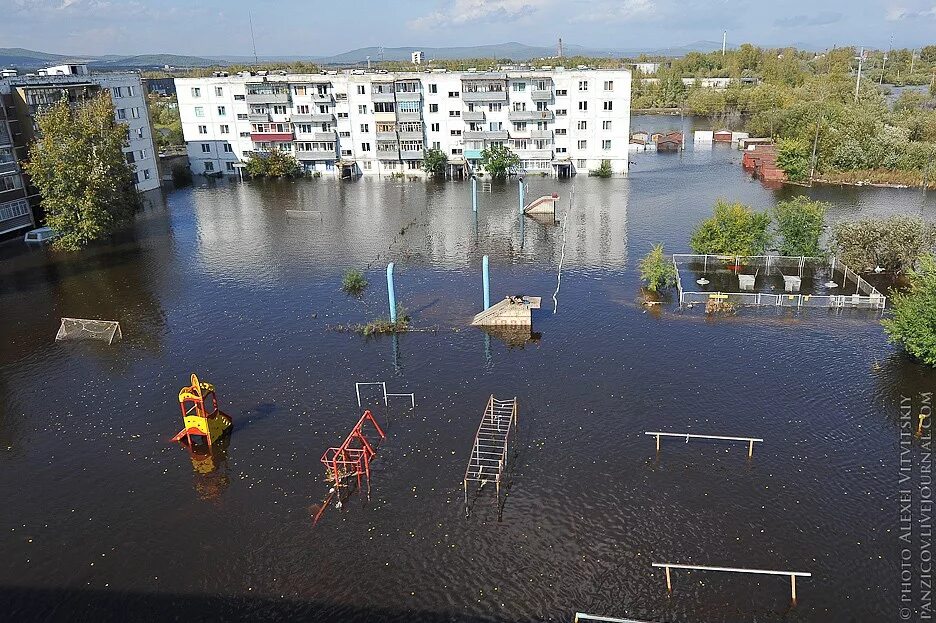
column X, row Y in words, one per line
column 898, row 14
column 466, row 11
column 800, row 21
column 615, row 11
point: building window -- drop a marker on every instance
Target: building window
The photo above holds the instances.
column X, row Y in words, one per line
column 519, row 87
column 206, row 148
column 245, row 134
column 225, row 129
column 434, row 127
column 196, row 92
column 242, row 116
column 365, row 146
column 607, row 105
column 454, row 93
column 583, row 105
column 344, row 134
column 520, row 126
column 146, row 174
column 456, row 132
column 131, row 157
column 561, row 92
column 560, row 112
column 9, row 182
column 436, row 145
column 219, row 91
column 302, row 110
column 605, row 125
column 560, row 131
column 135, row 112
column 121, row 113
column 203, row 129
column 367, row 164
column 454, row 113
column 495, row 107
column 582, row 144
column 561, row 150
column 239, row 98
column 199, row 111
column 142, row 154
column 582, row 125
column 609, row 85
column 229, row 166
column 362, row 109
column 228, row 148
column 139, row 132
column 365, row 127
column 277, row 110
column 20, row 207
column 222, row 111
column 433, row 108
column 606, row 144
column 118, row 92
column 342, row 115
column 361, row 90
column 209, row 166
column 456, row 151
column 583, row 85
column 129, row 91
column 384, row 107
column 433, row 88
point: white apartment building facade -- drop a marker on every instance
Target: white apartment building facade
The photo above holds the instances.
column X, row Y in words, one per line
column 27, row 94
column 558, row 121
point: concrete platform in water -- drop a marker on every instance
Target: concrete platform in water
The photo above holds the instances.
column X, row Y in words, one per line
column 515, row 311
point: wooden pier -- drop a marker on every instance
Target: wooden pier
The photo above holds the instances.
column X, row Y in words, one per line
column 491, row 444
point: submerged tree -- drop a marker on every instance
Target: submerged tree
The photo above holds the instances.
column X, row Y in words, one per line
column 800, row 223
column 273, row 163
column 895, row 243
column 913, row 321
column 499, row 161
column 656, row 271
column 79, row 167
column 733, row 229
column 434, row 161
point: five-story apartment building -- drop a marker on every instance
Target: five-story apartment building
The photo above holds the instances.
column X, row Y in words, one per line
column 558, row 121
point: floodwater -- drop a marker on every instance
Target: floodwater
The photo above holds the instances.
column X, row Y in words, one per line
column 103, row 518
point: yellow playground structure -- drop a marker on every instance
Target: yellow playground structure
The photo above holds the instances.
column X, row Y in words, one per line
column 197, row 420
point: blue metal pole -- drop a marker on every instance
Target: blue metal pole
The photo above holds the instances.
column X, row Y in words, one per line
column 486, row 278
column 474, row 194
column 390, row 293
column 522, row 193
column 522, row 220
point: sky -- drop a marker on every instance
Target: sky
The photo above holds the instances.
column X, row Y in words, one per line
column 325, row 27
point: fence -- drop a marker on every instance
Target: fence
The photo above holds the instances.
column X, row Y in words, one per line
column 783, row 280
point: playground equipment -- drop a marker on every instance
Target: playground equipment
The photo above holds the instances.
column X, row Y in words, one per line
column 544, row 205
column 489, row 451
column 352, row 458
column 197, row 420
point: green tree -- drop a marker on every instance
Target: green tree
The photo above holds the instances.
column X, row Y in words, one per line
column 656, row 271
column 912, row 324
column 793, row 157
column 895, row 243
column 273, row 163
column 434, row 161
column 800, row 223
column 499, row 161
column 79, row 167
column 733, row 229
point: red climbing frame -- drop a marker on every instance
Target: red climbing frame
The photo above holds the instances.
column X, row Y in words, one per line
column 352, row 458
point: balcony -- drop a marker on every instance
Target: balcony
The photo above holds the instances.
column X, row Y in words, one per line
column 535, row 154
column 411, row 136
column 315, row 117
column 472, row 154
column 385, row 96
column 530, row 115
column 322, row 98
column 485, row 135
column 541, row 134
column 411, row 154
column 473, row 115
column 541, row 96
column 317, row 155
column 386, row 136
column 317, row 136
column 408, row 96
column 4, row 137
column 385, row 154
column 267, row 98
column 484, row 96
column 408, row 116
column 259, row 117
column 7, row 167
column 271, row 137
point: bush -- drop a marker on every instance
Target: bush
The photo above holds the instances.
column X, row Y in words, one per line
column 656, row 271
column 434, row 162
column 913, row 321
column 603, row 171
column 793, row 156
column 894, row 243
column 383, row 325
column 799, row 226
column 273, row 163
column 353, row 282
column 734, row 229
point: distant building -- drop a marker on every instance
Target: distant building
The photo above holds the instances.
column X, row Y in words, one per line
column 418, row 57
column 15, row 212
column 557, row 121
column 23, row 96
column 647, row 69
column 159, row 86
column 719, row 84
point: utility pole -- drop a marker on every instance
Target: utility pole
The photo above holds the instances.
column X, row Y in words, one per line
column 858, row 79
column 724, row 41
column 253, row 39
column 884, row 64
column 912, row 58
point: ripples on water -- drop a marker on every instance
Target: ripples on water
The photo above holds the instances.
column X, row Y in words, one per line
column 102, row 514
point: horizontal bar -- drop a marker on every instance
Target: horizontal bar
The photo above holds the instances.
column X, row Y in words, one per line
column 581, row 616
column 684, row 435
column 802, row 574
